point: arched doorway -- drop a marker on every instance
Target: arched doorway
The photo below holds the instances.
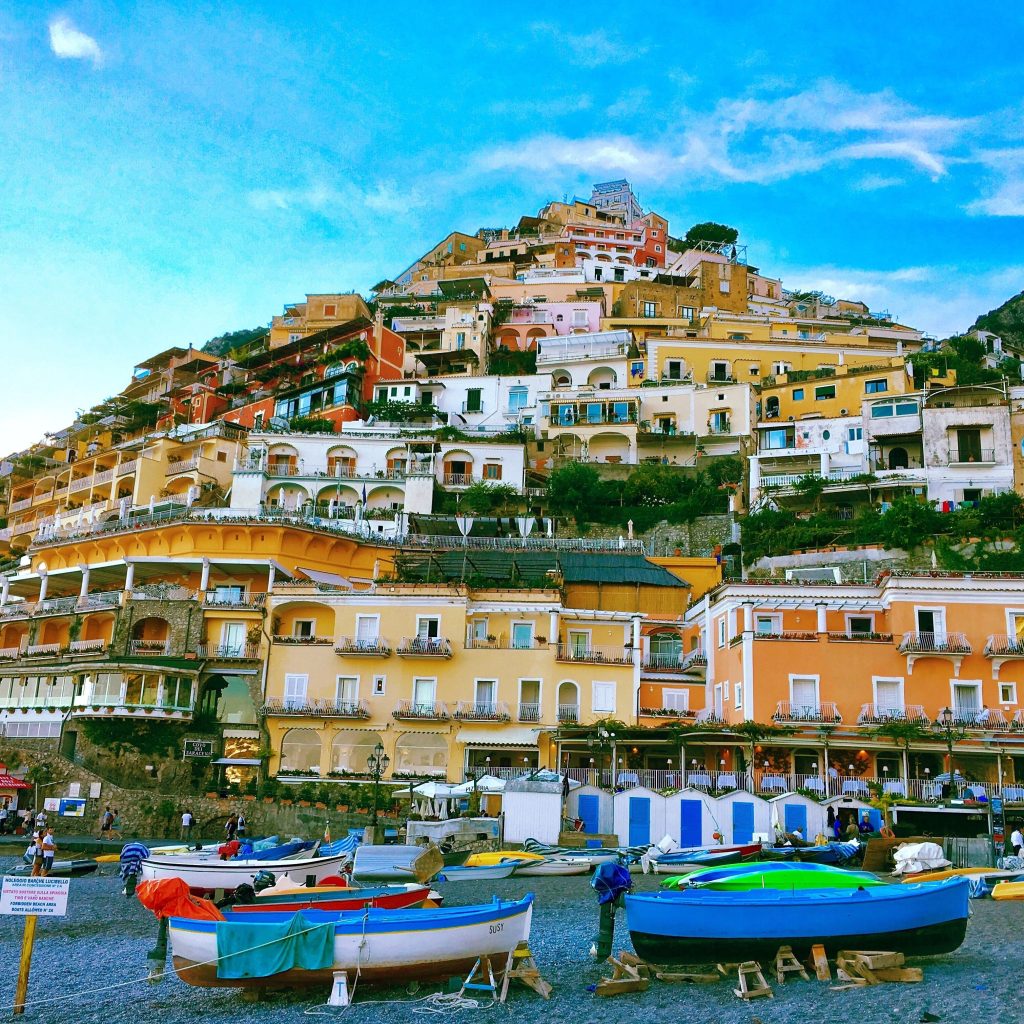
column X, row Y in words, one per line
column 898, row 458
column 568, row 701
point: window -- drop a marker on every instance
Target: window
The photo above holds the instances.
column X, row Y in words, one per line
column 874, row 387
column 675, row 700
column 428, row 627
column 685, row 312
column 883, row 410
column 779, row 437
column 824, row 391
column 803, row 693
column 347, row 690
column 721, row 632
column 424, row 692
column 1007, row 693
column 798, row 394
column 650, row 309
column 967, row 700
column 492, row 471
column 932, row 623
column 854, row 433
column 330, row 309
column 522, row 634
column 227, row 594
column 367, row 630
column 719, row 423
column 767, row 624
column 380, row 685
column 460, row 340
column 720, row 370
column 474, row 400
column 603, row 700
column 968, row 445
column 232, row 639
column 486, row 696
column 780, row 368
column 295, row 690
column 462, row 246
column 738, row 695
column 860, row 623
column 304, row 627
column 723, row 287
column 674, row 369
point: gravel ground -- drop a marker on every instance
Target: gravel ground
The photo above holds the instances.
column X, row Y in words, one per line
column 93, row 962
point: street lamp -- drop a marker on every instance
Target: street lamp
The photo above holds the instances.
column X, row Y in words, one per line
column 378, row 763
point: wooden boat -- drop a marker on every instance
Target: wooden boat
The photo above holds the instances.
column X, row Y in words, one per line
column 207, row 876
column 773, row 875
column 337, row 898
column 479, row 860
column 488, row 871
column 1008, row 891
column 938, row 876
column 703, row 926
column 553, row 866
column 381, row 945
column 62, row 868
column 396, row 863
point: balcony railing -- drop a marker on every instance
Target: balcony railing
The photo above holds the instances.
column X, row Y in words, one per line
column 101, row 599
column 529, row 711
column 478, row 643
column 864, row 638
column 86, row 646
column 56, row 606
column 483, row 711
column 718, row 377
column 318, row 708
column 229, row 652
column 822, row 712
column 709, row 716
column 569, row 714
column 183, row 466
column 657, row 664
column 1017, row 725
column 303, row 641
column 162, row 592
column 127, row 467
column 419, row 709
column 370, row 647
column 784, row 634
column 41, row 650
column 967, row 458
column 1000, row 645
column 458, row 479
column 697, row 658
column 81, row 484
column 9, row 653
column 20, row 505
column 17, row 610
column 980, row 718
column 101, row 478
column 880, row 714
column 159, row 648
column 934, row 643
column 215, row 600
column 425, row 647
column 589, row 655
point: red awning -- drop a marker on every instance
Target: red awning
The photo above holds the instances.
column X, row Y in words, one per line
column 10, row 782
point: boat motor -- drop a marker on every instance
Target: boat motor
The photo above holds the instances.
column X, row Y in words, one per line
column 611, row 882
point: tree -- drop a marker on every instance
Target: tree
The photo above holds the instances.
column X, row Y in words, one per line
column 903, row 733
column 710, row 231
column 575, row 490
column 908, row 523
column 755, row 733
column 483, row 499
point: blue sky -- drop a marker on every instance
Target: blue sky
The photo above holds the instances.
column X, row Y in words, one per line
column 169, row 172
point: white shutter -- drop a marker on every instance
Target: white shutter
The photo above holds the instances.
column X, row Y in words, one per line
column 295, row 690
column 366, row 629
column 675, row 700
column 424, row 691
column 603, row 697
column 805, row 693
column 887, row 695
column 348, row 689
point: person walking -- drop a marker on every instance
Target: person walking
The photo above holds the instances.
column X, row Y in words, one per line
column 187, row 821
column 240, row 824
column 231, row 827
column 106, row 820
column 48, row 846
column 4, row 815
column 1017, row 841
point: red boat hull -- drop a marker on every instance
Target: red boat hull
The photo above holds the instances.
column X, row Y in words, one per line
column 343, row 899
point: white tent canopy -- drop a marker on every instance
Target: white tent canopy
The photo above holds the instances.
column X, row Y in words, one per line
column 485, row 784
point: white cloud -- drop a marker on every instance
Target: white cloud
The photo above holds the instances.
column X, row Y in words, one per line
column 68, row 42
column 629, row 104
column 592, row 49
column 557, row 106
column 346, row 203
column 1005, row 194
column 876, row 182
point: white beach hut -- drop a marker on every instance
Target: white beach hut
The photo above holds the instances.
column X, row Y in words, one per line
column 742, row 815
column 795, row 811
column 691, row 818
column 639, row 816
column 594, row 808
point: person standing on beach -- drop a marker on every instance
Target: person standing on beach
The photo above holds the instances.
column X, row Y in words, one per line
column 106, row 820
column 240, row 825
column 48, row 846
column 187, row 821
column 1017, row 840
column 231, row 827
column 36, row 851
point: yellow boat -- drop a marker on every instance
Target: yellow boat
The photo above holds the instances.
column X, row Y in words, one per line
column 482, row 860
column 107, row 858
column 938, row 876
column 1008, row 891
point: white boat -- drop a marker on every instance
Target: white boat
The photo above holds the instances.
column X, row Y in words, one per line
column 487, row 871
column 206, row 876
column 375, row 945
column 555, row 866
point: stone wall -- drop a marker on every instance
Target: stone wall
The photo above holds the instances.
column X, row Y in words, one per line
column 184, row 617
column 697, row 539
column 856, row 565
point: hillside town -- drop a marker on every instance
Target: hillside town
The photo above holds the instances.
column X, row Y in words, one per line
column 578, row 494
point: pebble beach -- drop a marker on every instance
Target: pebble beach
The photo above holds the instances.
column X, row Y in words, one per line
column 91, row 967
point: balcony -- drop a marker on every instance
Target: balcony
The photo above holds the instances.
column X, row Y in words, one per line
column 717, row 377
column 87, row 646
column 317, row 708
column 229, row 652
column 528, row 711
column 12, row 653
column 20, row 505
column 102, row 478
column 695, row 660
column 881, row 714
column 709, row 716
column 569, row 714
column 482, row 711
column 370, row 647
column 155, row 648
column 984, row 719
column 823, row 713
column 56, row 606
column 81, row 484
column 457, row 479
column 1000, row 645
column 127, row 467
column 863, row 638
column 1017, row 725
column 303, row 641
column 183, row 466
column 974, row 457
column 478, row 643
column 954, row 646
column 215, row 600
column 17, row 610
column 42, row 650
column 715, row 429
column 103, row 707
column 662, row 664
column 162, row 592
column 431, row 710
column 785, row 634
column 424, row 647
column 589, row 655
column 100, row 599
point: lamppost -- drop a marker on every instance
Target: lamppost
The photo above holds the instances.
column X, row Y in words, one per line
column 378, row 763
column 953, row 731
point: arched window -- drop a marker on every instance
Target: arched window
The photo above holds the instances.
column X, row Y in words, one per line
column 421, row 753
column 350, row 748
column 666, row 649
column 898, row 458
column 300, row 750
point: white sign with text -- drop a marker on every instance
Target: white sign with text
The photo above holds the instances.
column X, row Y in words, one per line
column 47, row 897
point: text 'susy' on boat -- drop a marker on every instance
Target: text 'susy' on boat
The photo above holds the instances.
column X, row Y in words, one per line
column 699, row 925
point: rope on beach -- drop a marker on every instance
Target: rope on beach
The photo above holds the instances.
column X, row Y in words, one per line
column 436, row 1003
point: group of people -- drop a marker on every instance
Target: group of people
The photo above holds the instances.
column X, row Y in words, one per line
column 110, row 823
column 42, row 846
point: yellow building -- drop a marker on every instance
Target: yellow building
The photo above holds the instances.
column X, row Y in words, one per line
column 443, row 676
column 317, row 313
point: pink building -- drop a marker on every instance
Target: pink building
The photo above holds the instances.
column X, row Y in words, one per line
column 530, row 321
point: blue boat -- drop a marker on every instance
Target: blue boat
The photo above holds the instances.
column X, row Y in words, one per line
column 698, row 925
